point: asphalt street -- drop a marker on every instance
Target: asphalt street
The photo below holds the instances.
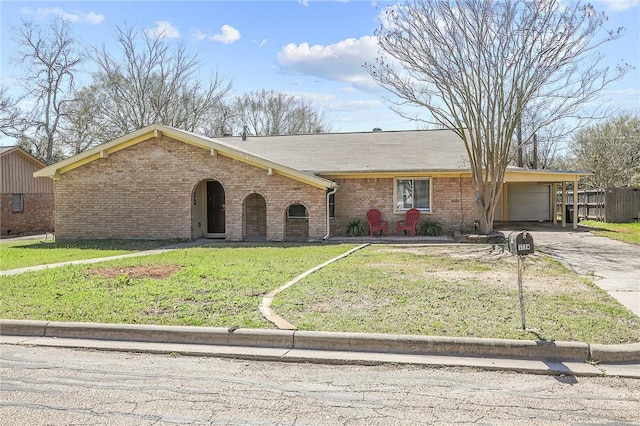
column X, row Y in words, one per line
column 59, row 386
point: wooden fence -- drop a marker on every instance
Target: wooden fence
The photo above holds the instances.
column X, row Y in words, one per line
column 616, row 205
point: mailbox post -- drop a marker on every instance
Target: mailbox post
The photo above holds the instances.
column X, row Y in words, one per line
column 521, row 244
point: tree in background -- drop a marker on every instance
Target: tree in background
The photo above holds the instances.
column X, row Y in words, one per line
column 10, row 118
column 269, row 113
column 476, row 65
column 539, row 148
column 50, row 58
column 85, row 125
column 152, row 81
column 611, row 150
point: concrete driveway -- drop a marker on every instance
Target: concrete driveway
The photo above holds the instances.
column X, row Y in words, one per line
column 613, row 265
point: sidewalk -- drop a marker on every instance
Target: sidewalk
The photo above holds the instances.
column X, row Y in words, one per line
column 570, row 358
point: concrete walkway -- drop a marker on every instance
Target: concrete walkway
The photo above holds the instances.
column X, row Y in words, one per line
column 613, row 265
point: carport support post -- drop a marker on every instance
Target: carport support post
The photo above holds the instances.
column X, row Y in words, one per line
column 564, row 204
column 520, row 270
column 575, row 202
column 554, row 191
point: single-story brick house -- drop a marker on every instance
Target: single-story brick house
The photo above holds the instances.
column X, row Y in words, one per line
column 26, row 203
column 162, row 182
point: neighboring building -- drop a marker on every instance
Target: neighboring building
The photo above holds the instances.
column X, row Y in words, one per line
column 26, row 203
column 161, row 182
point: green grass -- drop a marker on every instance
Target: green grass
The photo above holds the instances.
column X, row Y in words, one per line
column 430, row 293
column 627, row 232
column 31, row 253
column 451, row 290
column 205, row 286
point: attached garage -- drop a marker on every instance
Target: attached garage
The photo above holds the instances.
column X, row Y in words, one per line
column 529, row 202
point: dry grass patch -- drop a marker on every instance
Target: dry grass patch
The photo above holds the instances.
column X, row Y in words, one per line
column 138, row 271
column 491, row 267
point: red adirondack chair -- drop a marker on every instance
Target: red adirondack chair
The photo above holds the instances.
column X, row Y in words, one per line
column 412, row 217
column 374, row 217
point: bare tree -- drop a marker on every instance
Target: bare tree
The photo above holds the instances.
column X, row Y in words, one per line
column 49, row 58
column 84, row 126
column 611, row 150
column 152, row 81
column 475, row 65
column 270, row 113
column 539, row 148
column 11, row 122
column 222, row 121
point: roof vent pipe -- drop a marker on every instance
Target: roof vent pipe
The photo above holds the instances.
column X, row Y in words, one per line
column 244, row 133
column 377, row 129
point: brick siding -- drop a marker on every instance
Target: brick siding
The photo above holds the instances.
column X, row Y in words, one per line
column 36, row 216
column 453, row 202
column 146, row 191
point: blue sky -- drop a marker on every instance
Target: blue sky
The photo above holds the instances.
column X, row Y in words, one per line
column 313, row 49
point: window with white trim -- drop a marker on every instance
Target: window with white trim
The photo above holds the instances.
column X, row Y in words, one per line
column 413, row 193
column 17, row 203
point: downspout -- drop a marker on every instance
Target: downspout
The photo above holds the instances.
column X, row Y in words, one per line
column 330, row 192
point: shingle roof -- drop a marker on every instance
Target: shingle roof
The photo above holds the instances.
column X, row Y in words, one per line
column 423, row 150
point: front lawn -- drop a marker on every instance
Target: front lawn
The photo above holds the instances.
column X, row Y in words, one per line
column 212, row 286
column 627, row 232
column 20, row 254
column 447, row 290
column 461, row 290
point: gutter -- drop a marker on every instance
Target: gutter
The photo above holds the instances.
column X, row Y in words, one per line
column 329, row 193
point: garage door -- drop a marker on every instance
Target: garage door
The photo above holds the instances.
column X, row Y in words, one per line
column 529, row 202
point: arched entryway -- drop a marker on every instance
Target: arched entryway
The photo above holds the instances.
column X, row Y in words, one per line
column 208, row 213
column 255, row 218
column 297, row 223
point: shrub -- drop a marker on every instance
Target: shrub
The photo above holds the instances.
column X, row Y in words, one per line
column 429, row 228
column 355, row 228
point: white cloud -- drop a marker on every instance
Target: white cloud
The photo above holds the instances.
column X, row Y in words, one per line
column 227, row 35
column 163, row 29
column 341, row 61
column 620, row 5
column 75, row 16
column 260, row 43
column 304, row 2
column 354, row 105
column 198, row 35
column 631, row 91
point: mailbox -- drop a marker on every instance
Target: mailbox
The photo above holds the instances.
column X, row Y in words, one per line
column 520, row 243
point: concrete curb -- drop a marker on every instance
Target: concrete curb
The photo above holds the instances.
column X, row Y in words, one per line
column 435, row 345
column 615, row 353
column 329, row 341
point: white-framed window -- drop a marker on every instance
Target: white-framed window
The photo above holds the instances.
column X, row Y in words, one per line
column 297, row 211
column 17, row 202
column 413, row 193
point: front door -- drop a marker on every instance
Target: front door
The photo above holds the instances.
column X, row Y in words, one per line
column 215, row 208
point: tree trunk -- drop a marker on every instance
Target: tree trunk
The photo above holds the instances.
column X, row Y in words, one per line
column 485, row 213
